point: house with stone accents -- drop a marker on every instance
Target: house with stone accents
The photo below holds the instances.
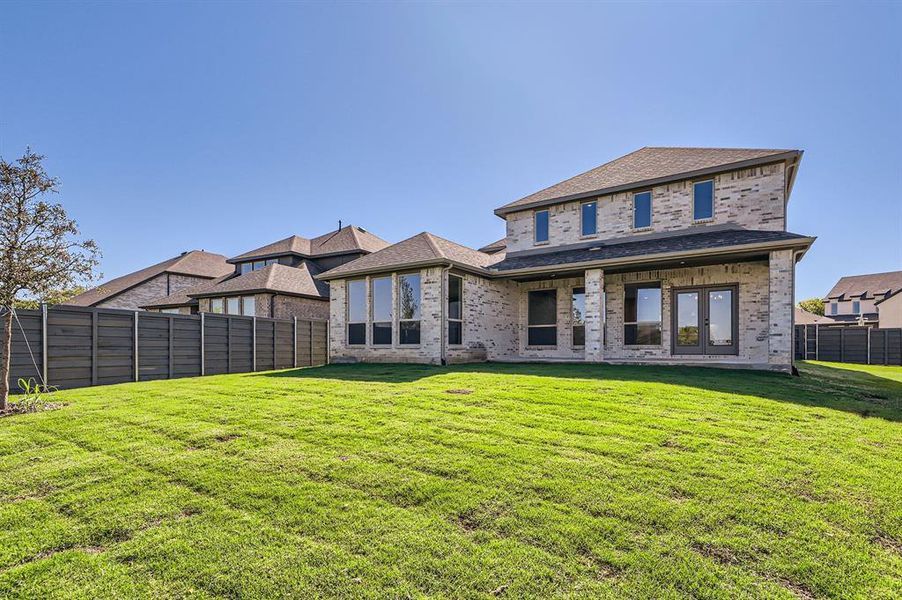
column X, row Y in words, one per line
column 662, row 256
column 276, row 280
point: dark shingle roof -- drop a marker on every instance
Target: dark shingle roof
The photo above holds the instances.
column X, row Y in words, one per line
column 275, row 279
column 182, row 298
column 421, row 250
column 867, row 285
column 496, row 246
column 642, row 167
column 347, row 239
column 196, row 263
column 620, row 249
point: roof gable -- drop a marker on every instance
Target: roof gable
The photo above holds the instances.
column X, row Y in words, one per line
column 645, row 166
column 349, row 238
column 276, row 279
column 854, row 286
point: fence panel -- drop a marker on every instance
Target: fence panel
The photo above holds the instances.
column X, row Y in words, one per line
column 853, row 344
column 97, row 346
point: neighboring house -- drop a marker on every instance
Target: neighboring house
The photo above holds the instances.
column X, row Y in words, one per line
column 277, row 280
column 859, row 299
column 803, row 317
column 890, row 310
column 187, row 270
column 665, row 255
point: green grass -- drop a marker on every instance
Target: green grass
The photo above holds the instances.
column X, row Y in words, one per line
column 379, row 481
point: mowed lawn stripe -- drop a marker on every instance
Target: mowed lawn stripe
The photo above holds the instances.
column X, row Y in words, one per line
column 545, row 480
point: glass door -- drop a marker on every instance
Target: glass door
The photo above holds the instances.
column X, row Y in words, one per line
column 705, row 321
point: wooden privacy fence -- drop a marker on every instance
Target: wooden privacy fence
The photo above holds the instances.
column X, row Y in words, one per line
column 864, row 345
column 71, row 346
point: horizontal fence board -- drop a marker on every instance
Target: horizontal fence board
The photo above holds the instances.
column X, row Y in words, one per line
column 850, row 344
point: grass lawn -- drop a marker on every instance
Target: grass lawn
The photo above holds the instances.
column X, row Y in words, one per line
column 477, row 481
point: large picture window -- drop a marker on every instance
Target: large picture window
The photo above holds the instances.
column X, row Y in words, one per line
column 541, row 226
column 249, row 306
column 233, row 305
column 642, row 210
column 589, row 218
column 216, row 305
column 642, row 315
column 381, row 309
column 542, row 323
column 409, row 308
column 703, row 200
column 357, row 312
column 578, row 316
column 455, row 310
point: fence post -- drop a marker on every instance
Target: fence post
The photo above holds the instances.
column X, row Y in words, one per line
column 137, row 371
column 44, row 342
column 228, row 344
column 842, row 345
column 171, row 340
column 311, row 341
column 869, row 345
column 328, row 342
column 254, row 343
column 294, row 343
column 93, row 347
column 886, row 347
column 203, row 368
column 275, row 328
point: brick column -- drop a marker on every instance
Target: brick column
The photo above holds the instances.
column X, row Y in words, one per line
column 780, row 301
column 594, row 316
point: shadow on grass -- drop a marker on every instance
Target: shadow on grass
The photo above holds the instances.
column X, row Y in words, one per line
column 818, row 386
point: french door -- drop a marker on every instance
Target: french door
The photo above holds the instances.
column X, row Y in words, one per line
column 705, row 320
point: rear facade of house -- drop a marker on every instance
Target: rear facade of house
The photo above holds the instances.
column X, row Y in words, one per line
column 663, row 256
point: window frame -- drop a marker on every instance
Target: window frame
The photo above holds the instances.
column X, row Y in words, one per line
column 418, row 321
column 348, row 321
column 450, row 319
column 221, row 302
column 535, row 229
column 651, row 210
column 834, row 308
column 552, row 325
column 372, row 312
column 638, row 286
column 856, row 307
column 713, row 181
column 244, row 303
column 573, row 327
column 582, row 228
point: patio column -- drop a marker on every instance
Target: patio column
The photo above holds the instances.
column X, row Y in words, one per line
column 781, row 282
column 594, row 316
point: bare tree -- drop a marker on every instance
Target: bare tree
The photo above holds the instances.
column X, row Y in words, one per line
column 41, row 252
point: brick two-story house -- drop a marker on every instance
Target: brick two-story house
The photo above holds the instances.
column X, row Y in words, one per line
column 663, row 256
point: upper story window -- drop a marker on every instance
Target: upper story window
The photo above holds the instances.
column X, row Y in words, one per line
column 541, row 226
column 642, row 315
column 588, row 217
column 856, row 307
column 542, row 318
column 833, row 308
column 703, row 200
column 381, row 309
column 248, row 306
column 409, row 308
column 216, row 305
column 256, row 265
column 455, row 310
column 357, row 312
column 642, row 210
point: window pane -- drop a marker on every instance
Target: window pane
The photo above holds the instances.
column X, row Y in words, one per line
column 579, row 306
column 704, row 199
column 579, row 335
column 249, row 306
column 543, row 307
column 259, row 265
column 381, row 299
column 216, row 305
column 833, row 308
column 589, row 218
column 455, row 293
column 455, row 333
column 382, row 333
column 642, row 303
column 687, row 319
column 541, row 225
column 409, row 332
column 856, row 307
column 233, row 306
column 720, row 317
column 542, row 336
column 409, row 297
column 356, row 301
column 246, row 268
column 642, row 210
column 643, row 334
column 357, row 333
column 271, row 261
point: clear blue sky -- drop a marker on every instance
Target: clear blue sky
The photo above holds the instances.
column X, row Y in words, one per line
column 227, row 126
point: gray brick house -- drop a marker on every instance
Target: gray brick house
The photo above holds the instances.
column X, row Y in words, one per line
column 662, row 256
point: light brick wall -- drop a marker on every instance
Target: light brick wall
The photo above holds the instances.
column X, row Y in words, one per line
column 781, row 282
column 752, row 278
column 564, row 348
column 151, row 290
column 288, row 307
column 489, row 331
column 752, row 198
column 594, row 318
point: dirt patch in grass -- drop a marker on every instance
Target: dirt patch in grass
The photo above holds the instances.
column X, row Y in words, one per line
column 719, row 554
column 888, row 543
column 460, row 391
column 18, row 408
column 227, row 437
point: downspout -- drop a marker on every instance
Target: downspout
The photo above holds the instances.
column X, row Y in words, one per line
column 442, row 300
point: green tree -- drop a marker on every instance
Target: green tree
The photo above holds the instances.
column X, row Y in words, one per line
column 55, row 297
column 41, row 251
column 813, row 305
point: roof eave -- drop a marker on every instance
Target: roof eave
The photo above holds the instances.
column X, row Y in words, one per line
column 743, row 164
column 443, row 262
column 799, row 243
column 230, row 294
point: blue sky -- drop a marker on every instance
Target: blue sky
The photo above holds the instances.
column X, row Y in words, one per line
column 227, row 126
